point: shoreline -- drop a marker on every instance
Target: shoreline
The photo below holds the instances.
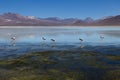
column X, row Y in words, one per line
column 59, row 26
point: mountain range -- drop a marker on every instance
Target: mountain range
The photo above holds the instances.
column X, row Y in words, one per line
column 15, row 19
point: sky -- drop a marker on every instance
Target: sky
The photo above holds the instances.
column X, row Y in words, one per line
column 62, row 8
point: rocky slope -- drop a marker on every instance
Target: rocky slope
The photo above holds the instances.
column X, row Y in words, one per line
column 14, row 19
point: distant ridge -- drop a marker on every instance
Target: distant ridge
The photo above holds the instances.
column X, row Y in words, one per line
column 14, row 19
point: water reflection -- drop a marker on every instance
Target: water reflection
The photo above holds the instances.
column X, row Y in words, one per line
column 13, row 44
column 62, row 35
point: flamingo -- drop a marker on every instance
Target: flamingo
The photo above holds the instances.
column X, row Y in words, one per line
column 13, row 39
column 43, row 44
column 102, row 37
column 81, row 40
column 43, row 38
column 53, row 40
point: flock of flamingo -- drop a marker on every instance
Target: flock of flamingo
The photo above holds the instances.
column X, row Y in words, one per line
column 53, row 40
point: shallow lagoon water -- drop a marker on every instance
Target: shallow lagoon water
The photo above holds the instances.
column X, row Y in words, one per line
column 66, row 59
column 61, row 34
column 29, row 39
